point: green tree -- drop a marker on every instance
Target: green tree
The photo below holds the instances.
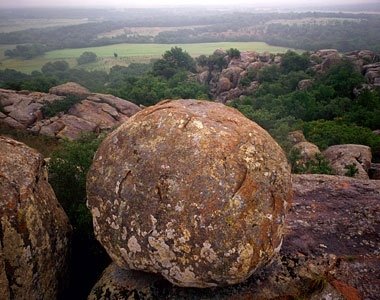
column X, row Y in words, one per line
column 233, row 53
column 343, row 78
column 86, row 57
column 173, row 61
column 291, row 61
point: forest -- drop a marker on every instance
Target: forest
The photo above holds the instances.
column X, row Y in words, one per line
column 303, row 30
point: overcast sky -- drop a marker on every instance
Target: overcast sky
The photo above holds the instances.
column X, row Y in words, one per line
column 153, row 3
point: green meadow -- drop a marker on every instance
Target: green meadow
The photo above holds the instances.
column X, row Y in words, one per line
column 128, row 53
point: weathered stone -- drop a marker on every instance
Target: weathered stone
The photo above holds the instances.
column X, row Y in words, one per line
column 372, row 74
column 70, row 88
column 192, row 190
column 122, row 106
column 34, row 230
column 307, row 151
column 50, row 129
column 330, row 251
column 224, row 85
column 342, row 156
column 295, row 137
column 73, row 127
column 233, row 74
column 305, row 84
column 255, row 66
column 97, row 112
column 371, row 66
column 203, row 77
column 229, row 95
column 264, row 57
column 116, row 283
column 12, row 123
column 329, row 61
column 326, row 52
column 220, row 52
column 101, row 114
column 26, row 114
column 253, row 87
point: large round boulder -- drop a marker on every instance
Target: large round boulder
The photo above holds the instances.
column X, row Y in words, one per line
column 192, row 190
column 34, row 232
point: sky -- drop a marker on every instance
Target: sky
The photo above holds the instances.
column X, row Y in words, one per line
column 153, row 3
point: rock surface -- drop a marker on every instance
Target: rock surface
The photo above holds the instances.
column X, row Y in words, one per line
column 35, row 231
column 307, row 151
column 70, row 88
column 94, row 113
column 342, row 156
column 330, row 251
column 192, row 190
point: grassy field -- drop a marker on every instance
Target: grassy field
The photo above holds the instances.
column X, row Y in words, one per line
column 22, row 24
column 145, row 31
column 128, row 53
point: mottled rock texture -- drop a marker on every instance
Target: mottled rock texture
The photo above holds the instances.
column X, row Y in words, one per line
column 34, row 232
column 342, row 156
column 70, row 88
column 330, row 251
column 93, row 112
column 192, row 190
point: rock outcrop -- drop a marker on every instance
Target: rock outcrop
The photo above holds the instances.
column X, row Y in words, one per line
column 224, row 84
column 94, row 113
column 70, row 88
column 344, row 158
column 34, row 232
column 303, row 150
column 239, row 75
column 330, row 251
column 192, row 190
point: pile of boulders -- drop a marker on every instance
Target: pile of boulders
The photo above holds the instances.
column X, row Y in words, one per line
column 225, row 85
column 93, row 112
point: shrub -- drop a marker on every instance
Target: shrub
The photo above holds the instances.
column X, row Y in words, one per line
column 351, row 170
column 53, row 108
column 68, row 168
column 86, row 57
column 233, row 53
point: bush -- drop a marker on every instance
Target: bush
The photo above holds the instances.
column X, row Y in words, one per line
column 318, row 165
column 53, row 108
column 233, row 53
column 173, row 61
column 327, row 133
column 291, row 61
column 68, row 169
column 26, row 51
column 86, row 57
column 351, row 170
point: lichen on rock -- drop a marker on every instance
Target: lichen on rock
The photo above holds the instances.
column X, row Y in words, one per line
column 34, row 232
column 191, row 190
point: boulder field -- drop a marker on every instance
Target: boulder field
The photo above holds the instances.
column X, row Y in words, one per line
column 191, row 190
